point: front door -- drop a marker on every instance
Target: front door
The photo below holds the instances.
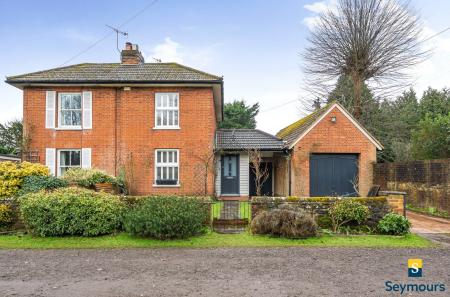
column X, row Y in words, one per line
column 230, row 175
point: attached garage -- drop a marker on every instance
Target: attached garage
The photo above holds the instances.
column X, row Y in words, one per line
column 330, row 154
column 333, row 174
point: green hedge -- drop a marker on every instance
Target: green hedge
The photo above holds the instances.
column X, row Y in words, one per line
column 166, row 217
column 71, row 211
column 35, row 183
column 88, row 177
column 394, row 224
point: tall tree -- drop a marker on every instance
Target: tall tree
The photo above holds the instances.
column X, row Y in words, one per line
column 11, row 137
column 435, row 102
column 238, row 115
column 365, row 40
column 431, row 140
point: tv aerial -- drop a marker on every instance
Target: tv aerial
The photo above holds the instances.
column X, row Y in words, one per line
column 125, row 34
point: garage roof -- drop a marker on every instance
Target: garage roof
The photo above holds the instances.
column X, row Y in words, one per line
column 297, row 130
column 245, row 139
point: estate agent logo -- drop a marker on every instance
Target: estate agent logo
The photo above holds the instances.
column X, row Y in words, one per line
column 415, row 267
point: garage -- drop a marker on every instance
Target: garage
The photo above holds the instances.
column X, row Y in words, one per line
column 333, row 174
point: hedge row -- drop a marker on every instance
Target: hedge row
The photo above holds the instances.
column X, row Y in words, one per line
column 78, row 211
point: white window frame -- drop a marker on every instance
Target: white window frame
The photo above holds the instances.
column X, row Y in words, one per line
column 66, row 127
column 166, row 164
column 58, row 156
column 167, row 108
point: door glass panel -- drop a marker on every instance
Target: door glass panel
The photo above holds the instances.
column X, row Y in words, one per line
column 230, row 165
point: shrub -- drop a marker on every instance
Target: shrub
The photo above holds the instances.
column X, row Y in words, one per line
column 35, row 183
column 6, row 215
column 394, row 224
column 12, row 175
column 347, row 211
column 284, row 223
column 71, row 211
column 166, row 217
column 87, row 177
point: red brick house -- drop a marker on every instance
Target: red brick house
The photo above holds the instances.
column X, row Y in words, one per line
column 157, row 124
column 152, row 120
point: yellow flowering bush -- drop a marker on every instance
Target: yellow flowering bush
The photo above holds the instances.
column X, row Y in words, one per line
column 12, row 175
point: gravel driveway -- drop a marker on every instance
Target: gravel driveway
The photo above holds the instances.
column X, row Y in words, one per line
column 215, row 272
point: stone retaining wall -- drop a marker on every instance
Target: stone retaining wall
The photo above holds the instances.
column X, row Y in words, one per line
column 318, row 206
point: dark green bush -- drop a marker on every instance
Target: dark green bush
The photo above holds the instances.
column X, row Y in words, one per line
column 35, row 183
column 285, row 223
column 347, row 211
column 71, row 211
column 166, row 217
column 394, row 224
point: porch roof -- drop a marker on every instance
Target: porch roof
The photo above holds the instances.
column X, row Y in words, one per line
column 246, row 139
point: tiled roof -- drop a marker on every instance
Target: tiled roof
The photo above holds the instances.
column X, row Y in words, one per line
column 244, row 139
column 291, row 133
column 294, row 130
column 116, row 72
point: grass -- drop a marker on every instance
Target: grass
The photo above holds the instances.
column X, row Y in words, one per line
column 210, row 240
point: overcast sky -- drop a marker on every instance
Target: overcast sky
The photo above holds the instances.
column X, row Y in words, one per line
column 255, row 45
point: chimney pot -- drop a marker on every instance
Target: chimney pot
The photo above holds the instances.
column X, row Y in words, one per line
column 131, row 54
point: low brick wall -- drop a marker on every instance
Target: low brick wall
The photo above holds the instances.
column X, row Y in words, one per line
column 318, row 206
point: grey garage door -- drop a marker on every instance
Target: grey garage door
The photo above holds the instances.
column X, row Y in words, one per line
column 333, row 174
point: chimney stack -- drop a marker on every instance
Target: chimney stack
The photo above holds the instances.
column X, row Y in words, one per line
column 131, row 55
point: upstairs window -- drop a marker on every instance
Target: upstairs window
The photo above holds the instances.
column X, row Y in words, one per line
column 69, row 110
column 167, row 110
column 166, row 167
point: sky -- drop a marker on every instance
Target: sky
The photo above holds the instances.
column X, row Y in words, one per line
column 253, row 44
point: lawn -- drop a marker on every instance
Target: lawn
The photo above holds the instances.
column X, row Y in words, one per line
column 210, row 240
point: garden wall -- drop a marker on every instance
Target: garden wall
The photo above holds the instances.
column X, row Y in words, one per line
column 427, row 182
column 318, row 206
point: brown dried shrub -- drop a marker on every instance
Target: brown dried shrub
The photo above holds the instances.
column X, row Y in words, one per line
column 284, row 223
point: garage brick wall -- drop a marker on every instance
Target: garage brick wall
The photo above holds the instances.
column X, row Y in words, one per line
column 122, row 133
column 328, row 137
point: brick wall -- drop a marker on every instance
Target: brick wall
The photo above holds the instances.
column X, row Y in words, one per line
column 122, row 133
column 328, row 137
column 427, row 182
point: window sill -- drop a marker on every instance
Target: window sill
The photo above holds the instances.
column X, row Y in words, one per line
column 166, row 186
column 166, row 128
column 69, row 128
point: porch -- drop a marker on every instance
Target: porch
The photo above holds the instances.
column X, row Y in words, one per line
column 239, row 152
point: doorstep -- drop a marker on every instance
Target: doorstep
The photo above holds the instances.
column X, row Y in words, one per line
column 233, row 198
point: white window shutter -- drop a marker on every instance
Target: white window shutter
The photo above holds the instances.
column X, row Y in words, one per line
column 50, row 106
column 86, row 158
column 87, row 110
column 50, row 158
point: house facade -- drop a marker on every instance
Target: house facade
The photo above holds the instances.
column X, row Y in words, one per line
column 156, row 124
column 150, row 121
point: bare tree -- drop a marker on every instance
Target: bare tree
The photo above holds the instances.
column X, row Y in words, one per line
column 207, row 160
column 366, row 40
column 261, row 172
